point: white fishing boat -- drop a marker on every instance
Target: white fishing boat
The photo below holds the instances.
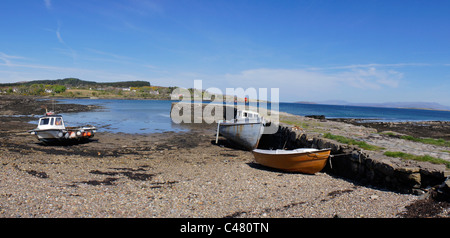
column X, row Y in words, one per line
column 51, row 128
column 245, row 130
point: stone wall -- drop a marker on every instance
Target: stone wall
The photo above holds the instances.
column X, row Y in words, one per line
column 365, row 167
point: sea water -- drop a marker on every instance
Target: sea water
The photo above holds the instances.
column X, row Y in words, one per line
column 150, row 116
column 127, row 116
column 367, row 113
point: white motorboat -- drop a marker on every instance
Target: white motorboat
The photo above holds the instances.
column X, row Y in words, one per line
column 51, row 128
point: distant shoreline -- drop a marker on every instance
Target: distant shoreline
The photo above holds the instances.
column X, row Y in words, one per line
column 34, row 106
column 358, row 105
column 307, row 103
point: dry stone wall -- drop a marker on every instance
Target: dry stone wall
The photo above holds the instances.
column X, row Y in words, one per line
column 365, row 167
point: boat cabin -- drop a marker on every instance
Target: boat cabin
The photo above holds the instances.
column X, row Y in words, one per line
column 247, row 114
column 51, row 121
column 244, row 116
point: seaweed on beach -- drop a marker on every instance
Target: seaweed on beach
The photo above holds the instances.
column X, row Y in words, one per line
column 131, row 174
column 37, row 174
column 425, row 208
column 106, row 181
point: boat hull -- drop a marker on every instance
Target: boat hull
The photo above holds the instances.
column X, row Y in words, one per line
column 47, row 134
column 245, row 135
column 309, row 162
column 54, row 135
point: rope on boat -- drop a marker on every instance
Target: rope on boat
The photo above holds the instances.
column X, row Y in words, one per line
column 331, row 156
column 340, row 154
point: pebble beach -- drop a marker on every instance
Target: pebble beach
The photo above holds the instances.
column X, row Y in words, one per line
column 169, row 175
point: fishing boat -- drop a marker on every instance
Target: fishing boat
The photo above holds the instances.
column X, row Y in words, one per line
column 51, row 128
column 304, row 160
column 245, row 130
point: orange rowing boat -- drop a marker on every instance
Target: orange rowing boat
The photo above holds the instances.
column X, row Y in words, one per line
column 304, row 160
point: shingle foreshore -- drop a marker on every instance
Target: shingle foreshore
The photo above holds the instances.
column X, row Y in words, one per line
column 172, row 174
column 157, row 176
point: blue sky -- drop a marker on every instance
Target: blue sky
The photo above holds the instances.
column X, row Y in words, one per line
column 358, row 51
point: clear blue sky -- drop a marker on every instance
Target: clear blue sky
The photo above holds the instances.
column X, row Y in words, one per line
column 358, row 51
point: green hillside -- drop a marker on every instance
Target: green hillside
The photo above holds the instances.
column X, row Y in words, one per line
column 77, row 88
column 74, row 82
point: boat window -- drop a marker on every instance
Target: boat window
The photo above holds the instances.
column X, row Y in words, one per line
column 44, row 121
column 58, row 121
column 52, row 120
column 245, row 114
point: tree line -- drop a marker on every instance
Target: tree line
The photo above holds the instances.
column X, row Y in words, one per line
column 75, row 82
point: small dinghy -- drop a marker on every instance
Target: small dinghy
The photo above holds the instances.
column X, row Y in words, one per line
column 304, row 160
column 51, row 128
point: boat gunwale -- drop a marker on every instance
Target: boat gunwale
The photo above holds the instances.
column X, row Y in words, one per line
column 66, row 129
column 50, row 129
column 294, row 153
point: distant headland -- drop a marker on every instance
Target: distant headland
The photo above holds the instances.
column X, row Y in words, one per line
column 77, row 88
column 407, row 105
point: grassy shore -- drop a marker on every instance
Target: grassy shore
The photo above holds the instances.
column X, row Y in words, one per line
column 425, row 158
column 349, row 141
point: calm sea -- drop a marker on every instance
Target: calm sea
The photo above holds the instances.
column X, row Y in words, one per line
column 127, row 116
column 149, row 116
column 376, row 113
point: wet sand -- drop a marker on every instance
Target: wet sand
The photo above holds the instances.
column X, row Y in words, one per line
column 169, row 175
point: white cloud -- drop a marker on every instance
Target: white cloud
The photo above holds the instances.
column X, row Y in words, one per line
column 319, row 84
column 109, row 54
column 359, row 84
column 68, row 51
column 58, row 35
column 370, row 78
column 355, row 66
column 138, row 7
column 304, row 80
column 7, row 58
column 48, row 4
column 16, row 72
column 351, row 83
column 299, row 79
